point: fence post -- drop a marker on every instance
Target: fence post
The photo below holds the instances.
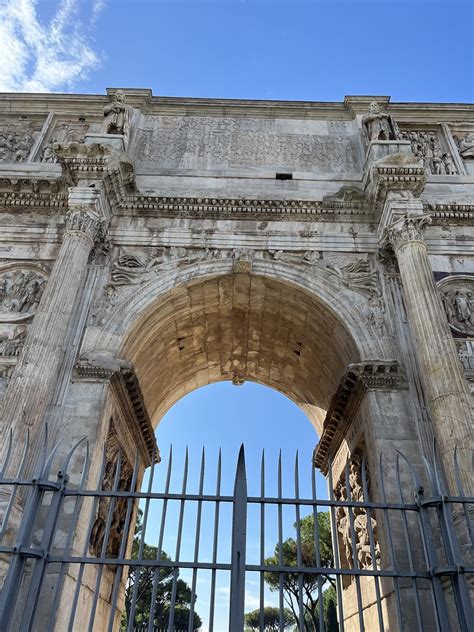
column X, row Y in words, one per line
column 239, row 540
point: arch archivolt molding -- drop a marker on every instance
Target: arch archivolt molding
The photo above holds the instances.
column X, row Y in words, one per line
column 360, row 309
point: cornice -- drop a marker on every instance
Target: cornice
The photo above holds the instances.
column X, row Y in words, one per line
column 357, row 379
column 143, row 99
column 124, row 381
column 395, row 178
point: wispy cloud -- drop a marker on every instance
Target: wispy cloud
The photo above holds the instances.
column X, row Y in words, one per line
column 39, row 57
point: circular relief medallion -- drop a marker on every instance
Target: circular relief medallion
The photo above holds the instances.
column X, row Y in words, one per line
column 21, row 288
column 457, row 295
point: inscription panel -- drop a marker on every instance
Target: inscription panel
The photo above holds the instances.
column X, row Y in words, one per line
column 204, row 142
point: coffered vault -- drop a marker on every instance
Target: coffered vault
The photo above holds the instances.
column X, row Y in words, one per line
column 239, row 327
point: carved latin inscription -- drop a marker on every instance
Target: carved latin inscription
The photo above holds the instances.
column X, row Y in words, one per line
column 194, row 142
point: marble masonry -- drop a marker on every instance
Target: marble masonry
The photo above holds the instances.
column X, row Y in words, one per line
column 152, row 245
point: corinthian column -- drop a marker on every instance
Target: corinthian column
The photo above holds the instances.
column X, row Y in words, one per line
column 445, row 386
column 32, row 383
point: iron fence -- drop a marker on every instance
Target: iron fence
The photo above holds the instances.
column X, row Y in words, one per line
column 72, row 558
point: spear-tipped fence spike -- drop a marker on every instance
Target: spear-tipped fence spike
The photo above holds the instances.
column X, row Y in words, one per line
column 415, row 477
column 65, row 464
column 49, row 462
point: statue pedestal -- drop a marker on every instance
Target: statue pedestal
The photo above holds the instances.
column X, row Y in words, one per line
column 382, row 148
column 117, row 141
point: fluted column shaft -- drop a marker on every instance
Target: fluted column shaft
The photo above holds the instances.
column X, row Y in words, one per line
column 32, row 383
column 445, row 386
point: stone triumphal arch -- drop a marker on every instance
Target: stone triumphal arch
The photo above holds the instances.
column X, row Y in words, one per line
column 151, row 245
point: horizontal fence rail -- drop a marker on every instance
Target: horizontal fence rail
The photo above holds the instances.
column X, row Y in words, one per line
column 84, row 548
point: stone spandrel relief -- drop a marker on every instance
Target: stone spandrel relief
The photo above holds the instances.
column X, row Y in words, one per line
column 21, row 289
column 457, row 296
column 355, row 274
column 16, row 140
column 133, row 268
column 427, row 147
column 200, row 143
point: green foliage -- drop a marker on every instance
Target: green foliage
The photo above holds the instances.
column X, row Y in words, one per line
column 271, row 619
column 146, row 577
column 308, row 590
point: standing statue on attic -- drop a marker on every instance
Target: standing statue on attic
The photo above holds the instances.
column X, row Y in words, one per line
column 378, row 125
column 117, row 117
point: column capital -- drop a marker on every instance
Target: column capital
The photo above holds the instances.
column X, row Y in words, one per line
column 405, row 229
column 86, row 213
column 85, row 221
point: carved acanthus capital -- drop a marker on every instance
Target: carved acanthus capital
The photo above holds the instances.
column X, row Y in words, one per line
column 406, row 229
column 84, row 220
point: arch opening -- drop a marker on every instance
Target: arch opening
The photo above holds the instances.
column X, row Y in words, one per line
column 241, row 328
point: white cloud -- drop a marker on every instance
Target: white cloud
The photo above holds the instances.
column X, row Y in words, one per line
column 38, row 57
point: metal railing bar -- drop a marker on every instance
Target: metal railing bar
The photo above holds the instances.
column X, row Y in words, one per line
column 196, row 543
column 335, row 540
column 11, row 500
column 215, row 542
column 123, row 544
column 239, row 542
column 280, row 546
column 365, row 489
column 178, row 543
column 355, row 559
column 86, row 546
column 324, row 570
column 262, row 545
column 317, row 548
column 105, row 542
column 429, row 548
column 159, row 548
column 67, row 547
column 299, row 557
column 391, row 552
column 141, row 546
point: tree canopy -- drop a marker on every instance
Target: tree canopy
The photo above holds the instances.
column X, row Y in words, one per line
column 306, row 590
column 149, row 579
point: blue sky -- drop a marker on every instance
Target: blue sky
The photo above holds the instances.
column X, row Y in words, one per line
column 260, row 49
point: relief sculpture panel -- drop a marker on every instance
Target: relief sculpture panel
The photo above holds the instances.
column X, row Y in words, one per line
column 21, row 288
column 16, row 140
column 457, row 295
column 194, row 142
